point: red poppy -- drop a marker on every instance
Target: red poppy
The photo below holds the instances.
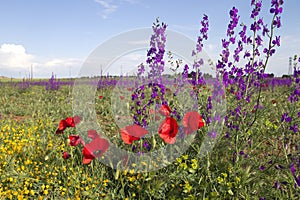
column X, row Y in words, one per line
column 66, row 155
column 133, row 132
column 100, row 97
column 72, row 121
column 121, row 97
column 93, row 134
column 75, row 140
column 96, row 148
column 165, row 110
column 168, row 129
column 129, row 89
column 191, row 122
column 68, row 122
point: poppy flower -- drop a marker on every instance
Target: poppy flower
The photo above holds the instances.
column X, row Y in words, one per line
column 68, row 122
column 165, row 110
column 121, row 97
column 75, row 140
column 66, row 155
column 133, row 132
column 96, row 148
column 100, row 97
column 93, row 134
column 168, row 129
column 191, row 122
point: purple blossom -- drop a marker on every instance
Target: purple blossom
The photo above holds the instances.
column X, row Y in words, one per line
column 234, row 21
column 147, row 146
column 212, row 134
column 257, row 8
column 276, row 9
column 276, row 41
column 277, row 22
column 294, row 128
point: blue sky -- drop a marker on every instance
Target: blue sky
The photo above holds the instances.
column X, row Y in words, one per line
column 58, row 35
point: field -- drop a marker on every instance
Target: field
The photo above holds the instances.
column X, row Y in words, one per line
column 233, row 134
column 243, row 164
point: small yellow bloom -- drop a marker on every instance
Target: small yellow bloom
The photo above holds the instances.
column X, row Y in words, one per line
column 229, row 185
column 224, row 175
column 220, row 180
column 179, row 160
column 183, row 165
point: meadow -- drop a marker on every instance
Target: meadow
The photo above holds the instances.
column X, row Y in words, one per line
column 232, row 136
column 242, row 165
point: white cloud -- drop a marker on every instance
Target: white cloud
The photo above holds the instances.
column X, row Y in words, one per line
column 108, row 7
column 111, row 6
column 61, row 62
column 16, row 62
column 14, row 56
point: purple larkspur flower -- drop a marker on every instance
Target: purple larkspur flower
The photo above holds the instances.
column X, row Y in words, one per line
column 147, row 146
column 294, row 128
column 212, row 134
column 262, row 168
column 276, row 41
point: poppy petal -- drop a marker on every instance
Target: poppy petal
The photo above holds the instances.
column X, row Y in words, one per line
column 75, row 140
column 128, row 139
column 165, row 110
column 62, row 125
column 191, row 122
column 136, row 130
column 168, row 129
column 92, row 134
column 94, row 149
column 70, row 122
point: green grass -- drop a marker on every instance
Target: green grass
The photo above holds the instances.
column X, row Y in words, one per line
column 32, row 167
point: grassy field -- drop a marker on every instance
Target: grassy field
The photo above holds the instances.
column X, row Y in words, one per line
column 246, row 163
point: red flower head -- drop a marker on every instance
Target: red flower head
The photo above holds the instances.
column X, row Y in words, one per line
column 122, row 97
column 165, row 110
column 93, row 134
column 96, row 148
column 101, row 97
column 191, row 122
column 168, row 129
column 133, row 132
column 66, row 155
column 68, row 122
column 75, row 140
